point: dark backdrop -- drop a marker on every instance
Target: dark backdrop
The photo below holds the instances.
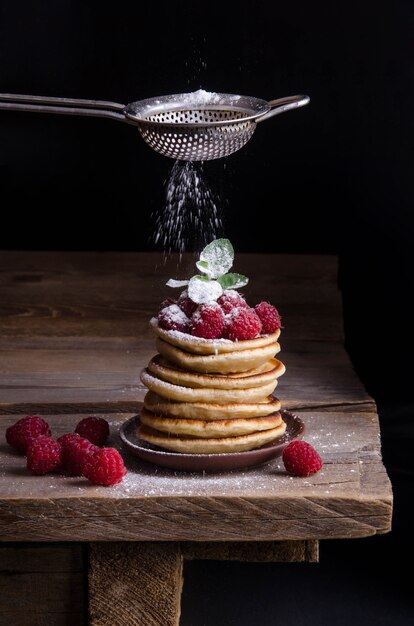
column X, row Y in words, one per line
column 334, row 177
column 307, row 181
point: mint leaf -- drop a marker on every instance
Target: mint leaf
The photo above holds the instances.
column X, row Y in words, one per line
column 219, row 256
column 203, row 267
column 202, row 290
column 177, row 283
column 233, row 281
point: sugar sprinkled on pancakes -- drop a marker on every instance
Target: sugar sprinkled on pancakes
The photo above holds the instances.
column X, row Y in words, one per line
column 210, row 385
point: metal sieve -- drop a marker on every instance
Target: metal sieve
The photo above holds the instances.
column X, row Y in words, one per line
column 197, row 126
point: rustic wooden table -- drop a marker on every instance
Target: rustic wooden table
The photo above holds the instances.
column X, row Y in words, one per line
column 74, row 336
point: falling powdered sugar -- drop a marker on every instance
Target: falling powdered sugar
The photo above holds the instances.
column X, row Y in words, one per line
column 190, row 217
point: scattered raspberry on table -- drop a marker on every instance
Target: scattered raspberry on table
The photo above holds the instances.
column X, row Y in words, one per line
column 24, row 430
column 95, row 429
column 105, row 467
column 71, row 453
column 44, row 455
column 301, row 459
column 76, row 449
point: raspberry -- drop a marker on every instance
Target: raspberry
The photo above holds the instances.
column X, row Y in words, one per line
column 96, row 429
column 242, row 323
column 24, row 430
column 64, row 439
column 269, row 316
column 230, row 300
column 208, row 321
column 166, row 303
column 301, row 459
column 173, row 318
column 186, row 304
column 44, row 455
column 105, row 466
column 76, row 449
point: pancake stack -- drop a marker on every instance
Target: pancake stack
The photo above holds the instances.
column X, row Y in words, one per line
column 211, row 396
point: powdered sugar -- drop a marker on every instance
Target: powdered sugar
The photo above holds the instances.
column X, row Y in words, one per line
column 217, row 258
column 173, row 318
column 231, row 299
column 190, row 217
column 208, row 321
column 242, row 323
column 204, row 291
column 152, row 382
column 203, row 98
column 174, row 314
column 185, row 337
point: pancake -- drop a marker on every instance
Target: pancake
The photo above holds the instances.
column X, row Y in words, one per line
column 161, row 368
column 191, row 445
column 208, row 394
column 211, row 411
column 211, row 396
column 197, row 345
column 209, row 429
column 226, row 363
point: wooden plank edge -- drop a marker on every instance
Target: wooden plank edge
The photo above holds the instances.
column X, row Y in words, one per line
column 54, row 408
column 140, row 529
column 252, row 551
column 340, row 407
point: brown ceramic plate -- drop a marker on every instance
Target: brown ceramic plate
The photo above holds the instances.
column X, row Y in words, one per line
column 210, row 462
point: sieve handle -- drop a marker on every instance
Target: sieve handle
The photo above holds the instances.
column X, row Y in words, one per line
column 283, row 104
column 63, row 106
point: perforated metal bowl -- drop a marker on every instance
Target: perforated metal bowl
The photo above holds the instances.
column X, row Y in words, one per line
column 197, row 126
column 194, row 127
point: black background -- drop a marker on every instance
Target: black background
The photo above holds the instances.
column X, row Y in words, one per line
column 334, row 177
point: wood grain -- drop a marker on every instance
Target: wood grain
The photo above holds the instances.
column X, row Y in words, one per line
column 253, row 552
column 73, row 338
column 42, row 585
column 48, row 375
column 114, row 294
column 135, row 584
column 74, row 328
column 350, row 497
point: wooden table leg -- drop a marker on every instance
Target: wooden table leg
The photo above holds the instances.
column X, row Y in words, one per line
column 135, row 584
column 140, row 584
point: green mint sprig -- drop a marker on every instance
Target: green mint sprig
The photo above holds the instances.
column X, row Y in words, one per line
column 214, row 264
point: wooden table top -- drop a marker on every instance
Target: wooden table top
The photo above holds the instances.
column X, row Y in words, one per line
column 74, row 336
